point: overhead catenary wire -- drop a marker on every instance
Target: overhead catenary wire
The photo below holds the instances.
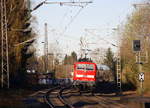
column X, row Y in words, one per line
column 76, row 15
column 71, row 21
column 102, row 39
column 72, row 3
column 64, row 16
column 69, row 3
column 58, row 33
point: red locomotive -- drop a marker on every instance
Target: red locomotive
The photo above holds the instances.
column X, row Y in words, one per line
column 84, row 74
column 88, row 74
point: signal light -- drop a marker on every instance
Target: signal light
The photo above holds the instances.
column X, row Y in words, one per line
column 136, row 45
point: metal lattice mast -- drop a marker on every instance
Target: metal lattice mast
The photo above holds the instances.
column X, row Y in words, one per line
column 118, row 66
column 4, row 46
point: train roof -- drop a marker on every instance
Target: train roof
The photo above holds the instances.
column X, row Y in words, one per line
column 102, row 67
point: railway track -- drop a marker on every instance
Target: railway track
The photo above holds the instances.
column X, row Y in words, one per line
column 66, row 97
column 54, row 98
column 108, row 103
column 87, row 100
column 46, row 97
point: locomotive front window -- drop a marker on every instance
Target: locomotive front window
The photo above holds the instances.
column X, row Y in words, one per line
column 85, row 67
column 89, row 67
column 80, row 66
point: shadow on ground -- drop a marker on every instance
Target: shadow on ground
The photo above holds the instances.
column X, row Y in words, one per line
column 82, row 104
column 111, row 87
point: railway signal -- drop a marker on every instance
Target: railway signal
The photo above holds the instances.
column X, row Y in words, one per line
column 141, row 76
column 141, row 79
column 136, row 45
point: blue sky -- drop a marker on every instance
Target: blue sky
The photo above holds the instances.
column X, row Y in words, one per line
column 102, row 15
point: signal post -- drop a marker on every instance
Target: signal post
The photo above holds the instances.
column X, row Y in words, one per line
column 137, row 49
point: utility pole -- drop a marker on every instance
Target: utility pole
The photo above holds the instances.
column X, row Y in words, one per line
column 4, row 46
column 141, row 79
column 46, row 49
column 28, row 2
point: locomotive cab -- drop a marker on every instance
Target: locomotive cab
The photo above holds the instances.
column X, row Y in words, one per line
column 84, row 74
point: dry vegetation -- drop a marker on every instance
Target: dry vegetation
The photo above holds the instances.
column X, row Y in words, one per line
column 137, row 27
column 18, row 17
column 61, row 68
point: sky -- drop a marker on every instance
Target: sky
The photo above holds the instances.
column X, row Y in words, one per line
column 67, row 24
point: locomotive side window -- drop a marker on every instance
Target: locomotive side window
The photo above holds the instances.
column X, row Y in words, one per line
column 89, row 67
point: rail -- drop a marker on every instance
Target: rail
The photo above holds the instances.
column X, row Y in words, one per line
column 46, row 97
column 68, row 105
